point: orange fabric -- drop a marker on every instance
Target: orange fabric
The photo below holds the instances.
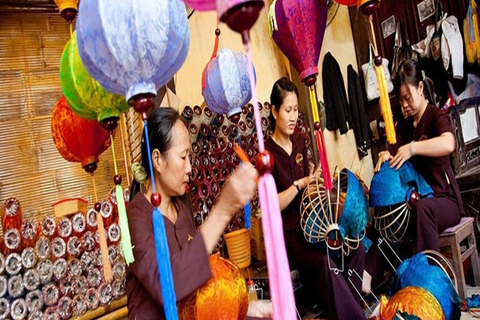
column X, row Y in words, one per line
column 224, row 296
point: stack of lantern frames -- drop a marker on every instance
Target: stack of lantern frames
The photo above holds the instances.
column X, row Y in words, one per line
column 52, row 269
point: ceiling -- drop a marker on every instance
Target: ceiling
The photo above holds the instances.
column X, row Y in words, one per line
column 28, row 5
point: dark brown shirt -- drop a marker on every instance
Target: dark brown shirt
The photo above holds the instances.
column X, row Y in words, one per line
column 188, row 258
column 288, row 168
column 437, row 171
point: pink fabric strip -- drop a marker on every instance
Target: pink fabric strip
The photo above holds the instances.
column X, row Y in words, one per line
column 322, row 153
column 279, row 276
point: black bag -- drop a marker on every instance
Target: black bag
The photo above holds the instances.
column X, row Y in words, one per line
column 435, row 43
column 401, row 51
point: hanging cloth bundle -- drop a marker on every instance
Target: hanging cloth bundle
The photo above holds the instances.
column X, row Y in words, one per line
column 471, row 33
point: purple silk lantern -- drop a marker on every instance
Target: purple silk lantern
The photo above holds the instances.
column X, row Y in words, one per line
column 298, row 27
column 227, row 85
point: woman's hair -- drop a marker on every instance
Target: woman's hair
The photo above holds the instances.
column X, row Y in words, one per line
column 160, row 123
column 410, row 73
column 280, row 89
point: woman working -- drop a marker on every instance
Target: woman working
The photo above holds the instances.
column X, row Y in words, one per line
column 189, row 250
column 425, row 138
column 291, row 172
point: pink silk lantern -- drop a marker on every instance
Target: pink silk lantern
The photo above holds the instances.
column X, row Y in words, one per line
column 203, row 5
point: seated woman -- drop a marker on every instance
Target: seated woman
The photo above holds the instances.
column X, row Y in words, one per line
column 189, row 250
column 291, row 173
column 425, row 138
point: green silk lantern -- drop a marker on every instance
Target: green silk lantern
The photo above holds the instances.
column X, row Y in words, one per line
column 84, row 94
column 90, row 100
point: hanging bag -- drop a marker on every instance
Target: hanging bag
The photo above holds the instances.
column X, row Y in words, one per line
column 370, row 77
column 401, row 51
column 436, row 43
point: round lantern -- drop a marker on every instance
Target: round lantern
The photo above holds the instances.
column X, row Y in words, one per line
column 335, row 217
column 133, row 47
column 418, row 272
column 227, row 85
column 410, row 302
column 298, row 28
column 76, row 138
column 118, row 52
column 393, row 194
column 84, row 94
column 68, row 9
column 224, row 296
column 202, row 5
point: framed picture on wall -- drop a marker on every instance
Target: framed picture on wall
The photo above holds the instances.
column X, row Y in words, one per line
column 388, row 27
column 426, row 9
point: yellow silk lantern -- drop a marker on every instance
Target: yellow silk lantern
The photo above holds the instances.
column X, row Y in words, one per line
column 224, row 296
column 68, row 9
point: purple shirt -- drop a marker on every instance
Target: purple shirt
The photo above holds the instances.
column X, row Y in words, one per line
column 437, row 171
column 188, row 258
column 288, row 168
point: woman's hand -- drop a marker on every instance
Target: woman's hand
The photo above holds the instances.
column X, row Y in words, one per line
column 302, row 183
column 260, row 309
column 382, row 157
column 239, row 189
column 404, row 153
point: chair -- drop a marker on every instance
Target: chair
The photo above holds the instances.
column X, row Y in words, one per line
column 450, row 241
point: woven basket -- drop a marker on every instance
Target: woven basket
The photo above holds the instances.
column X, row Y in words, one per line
column 238, row 245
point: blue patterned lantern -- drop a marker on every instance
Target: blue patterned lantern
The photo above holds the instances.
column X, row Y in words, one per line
column 393, row 194
column 227, row 85
column 133, row 47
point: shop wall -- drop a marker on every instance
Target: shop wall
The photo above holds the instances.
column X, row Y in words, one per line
column 31, row 169
column 342, row 149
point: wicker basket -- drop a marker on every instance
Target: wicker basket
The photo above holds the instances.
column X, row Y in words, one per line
column 238, row 245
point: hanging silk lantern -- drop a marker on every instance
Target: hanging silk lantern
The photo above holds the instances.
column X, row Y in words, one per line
column 393, row 194
column 125, row 58
column 84, row 94
column 78, row 139
column 349, row 3
column 68, row 9
column 298, row 28
column 202, row 5
column 224, row 296
column 133, row 47
column 336, row 220
column 90, row 100
column 227, row 85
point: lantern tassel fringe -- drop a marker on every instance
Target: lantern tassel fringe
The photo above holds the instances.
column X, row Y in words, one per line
column 385, row 106
column 107, row 268
column 161, row 248
column 281, row 287
column 123, row 222
column 272, row 19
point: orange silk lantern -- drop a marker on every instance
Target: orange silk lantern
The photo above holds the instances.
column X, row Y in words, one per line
column 76, row 138
column 68, row 9
column 224, row 296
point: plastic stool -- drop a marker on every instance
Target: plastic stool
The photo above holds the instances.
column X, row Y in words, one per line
column 450, row 241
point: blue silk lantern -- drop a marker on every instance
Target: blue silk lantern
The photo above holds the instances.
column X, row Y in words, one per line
column 394, row 193
column 133, row 47
column 417, row 272
column 337, row 219
column 227, row 85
